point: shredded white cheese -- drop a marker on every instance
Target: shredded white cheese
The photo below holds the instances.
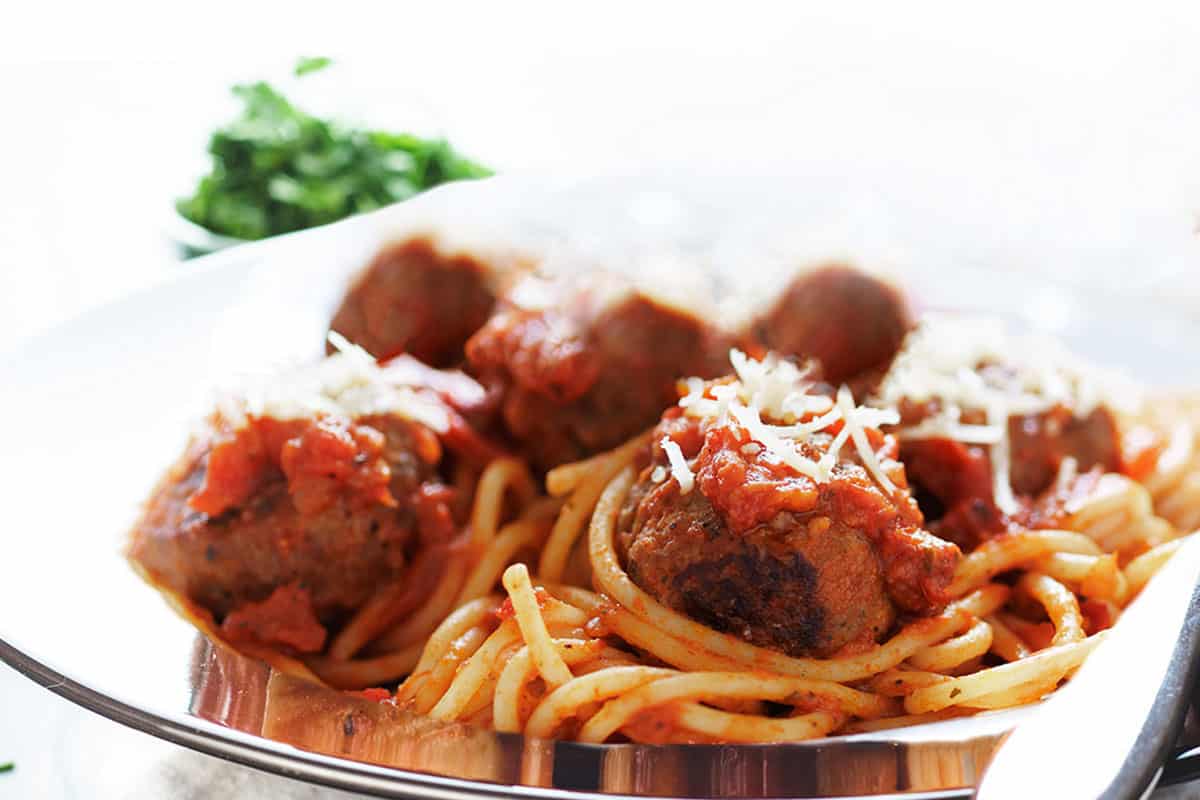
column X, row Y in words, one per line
column 781, row 448
column 1068, row 471
column 780, row 391
column 975, row 364
column 680, row 470
column 348, row 383
column 853, row 424
column 1002, row 493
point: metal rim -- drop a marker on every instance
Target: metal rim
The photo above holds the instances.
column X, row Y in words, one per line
column 336, row 773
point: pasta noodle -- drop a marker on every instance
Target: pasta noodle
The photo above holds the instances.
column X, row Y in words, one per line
column 499, row 627
column 611, row 661
column 1174, row 484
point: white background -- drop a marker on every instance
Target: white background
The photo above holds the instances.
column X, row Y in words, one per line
column 1066, row 137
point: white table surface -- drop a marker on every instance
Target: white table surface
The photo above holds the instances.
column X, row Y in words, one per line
column 1075, row 132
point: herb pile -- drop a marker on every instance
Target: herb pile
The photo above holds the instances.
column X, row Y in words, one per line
column 277, row 168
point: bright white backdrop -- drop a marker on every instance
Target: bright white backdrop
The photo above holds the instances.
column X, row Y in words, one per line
column 1067, row 134
column 1059, row 140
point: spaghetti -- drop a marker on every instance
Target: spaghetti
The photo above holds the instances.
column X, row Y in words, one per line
column 539, row 618
column 608, row 661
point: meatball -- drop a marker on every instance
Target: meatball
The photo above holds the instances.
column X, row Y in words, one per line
column 582, row 365
column 413, row 299
column 1040, row 443
column 964, row 387
column 849, row 321
column 759, row 550
column 281, row 523
column 954, row 479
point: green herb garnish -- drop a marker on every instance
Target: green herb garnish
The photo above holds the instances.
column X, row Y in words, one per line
column 7, row 767
column 277, row 168
column 311, row 64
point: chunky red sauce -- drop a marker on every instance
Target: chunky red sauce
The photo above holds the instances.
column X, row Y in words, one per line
column 434, row 507
column 590, row 366
column 750, row 485
column 506, row 610
column 748, row 489
column 286, row 619
column 331, row 456
column 1097, row 616
column 374, row 694
column 1141, row 447
column 321, row 458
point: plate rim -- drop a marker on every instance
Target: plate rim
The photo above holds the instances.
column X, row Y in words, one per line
column 258, row 752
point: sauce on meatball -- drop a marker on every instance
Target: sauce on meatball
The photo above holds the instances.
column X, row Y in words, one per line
column 988, row 421
column 588, row 365
column 283, row 515
column 807, row 564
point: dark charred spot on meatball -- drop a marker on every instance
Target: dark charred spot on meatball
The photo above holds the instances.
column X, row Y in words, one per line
column 714, row 592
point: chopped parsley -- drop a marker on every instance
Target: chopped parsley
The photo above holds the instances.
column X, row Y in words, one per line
column 311, row 64
column 276, row 168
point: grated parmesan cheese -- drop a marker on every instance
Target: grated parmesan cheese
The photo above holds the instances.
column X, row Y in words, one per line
column 779, row 390
column 680, row 470
column 853, row 424
column 779, row 447
column 347, row 383
column 973, row 363
column 1068, row 471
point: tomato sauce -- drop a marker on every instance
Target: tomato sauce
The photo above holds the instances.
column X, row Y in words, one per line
column 321, row 458
column 286, row 618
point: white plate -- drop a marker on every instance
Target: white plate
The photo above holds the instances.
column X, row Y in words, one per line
column 94, row 411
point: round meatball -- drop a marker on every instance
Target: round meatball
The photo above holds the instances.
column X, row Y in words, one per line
column 412, row 299
column 280, row 528
column 334, row 540
column 760, row 551
column 954, row 480
column 587, row 365
column 849, row 321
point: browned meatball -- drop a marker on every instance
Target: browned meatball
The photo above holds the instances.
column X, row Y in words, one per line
column 1040, row 442
column 849, row 321
column 589, row 365
column 955, row 483
column 338, row 551
column 761, row 551
column 970, row 392
column 282, row 522
column 412, row 299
